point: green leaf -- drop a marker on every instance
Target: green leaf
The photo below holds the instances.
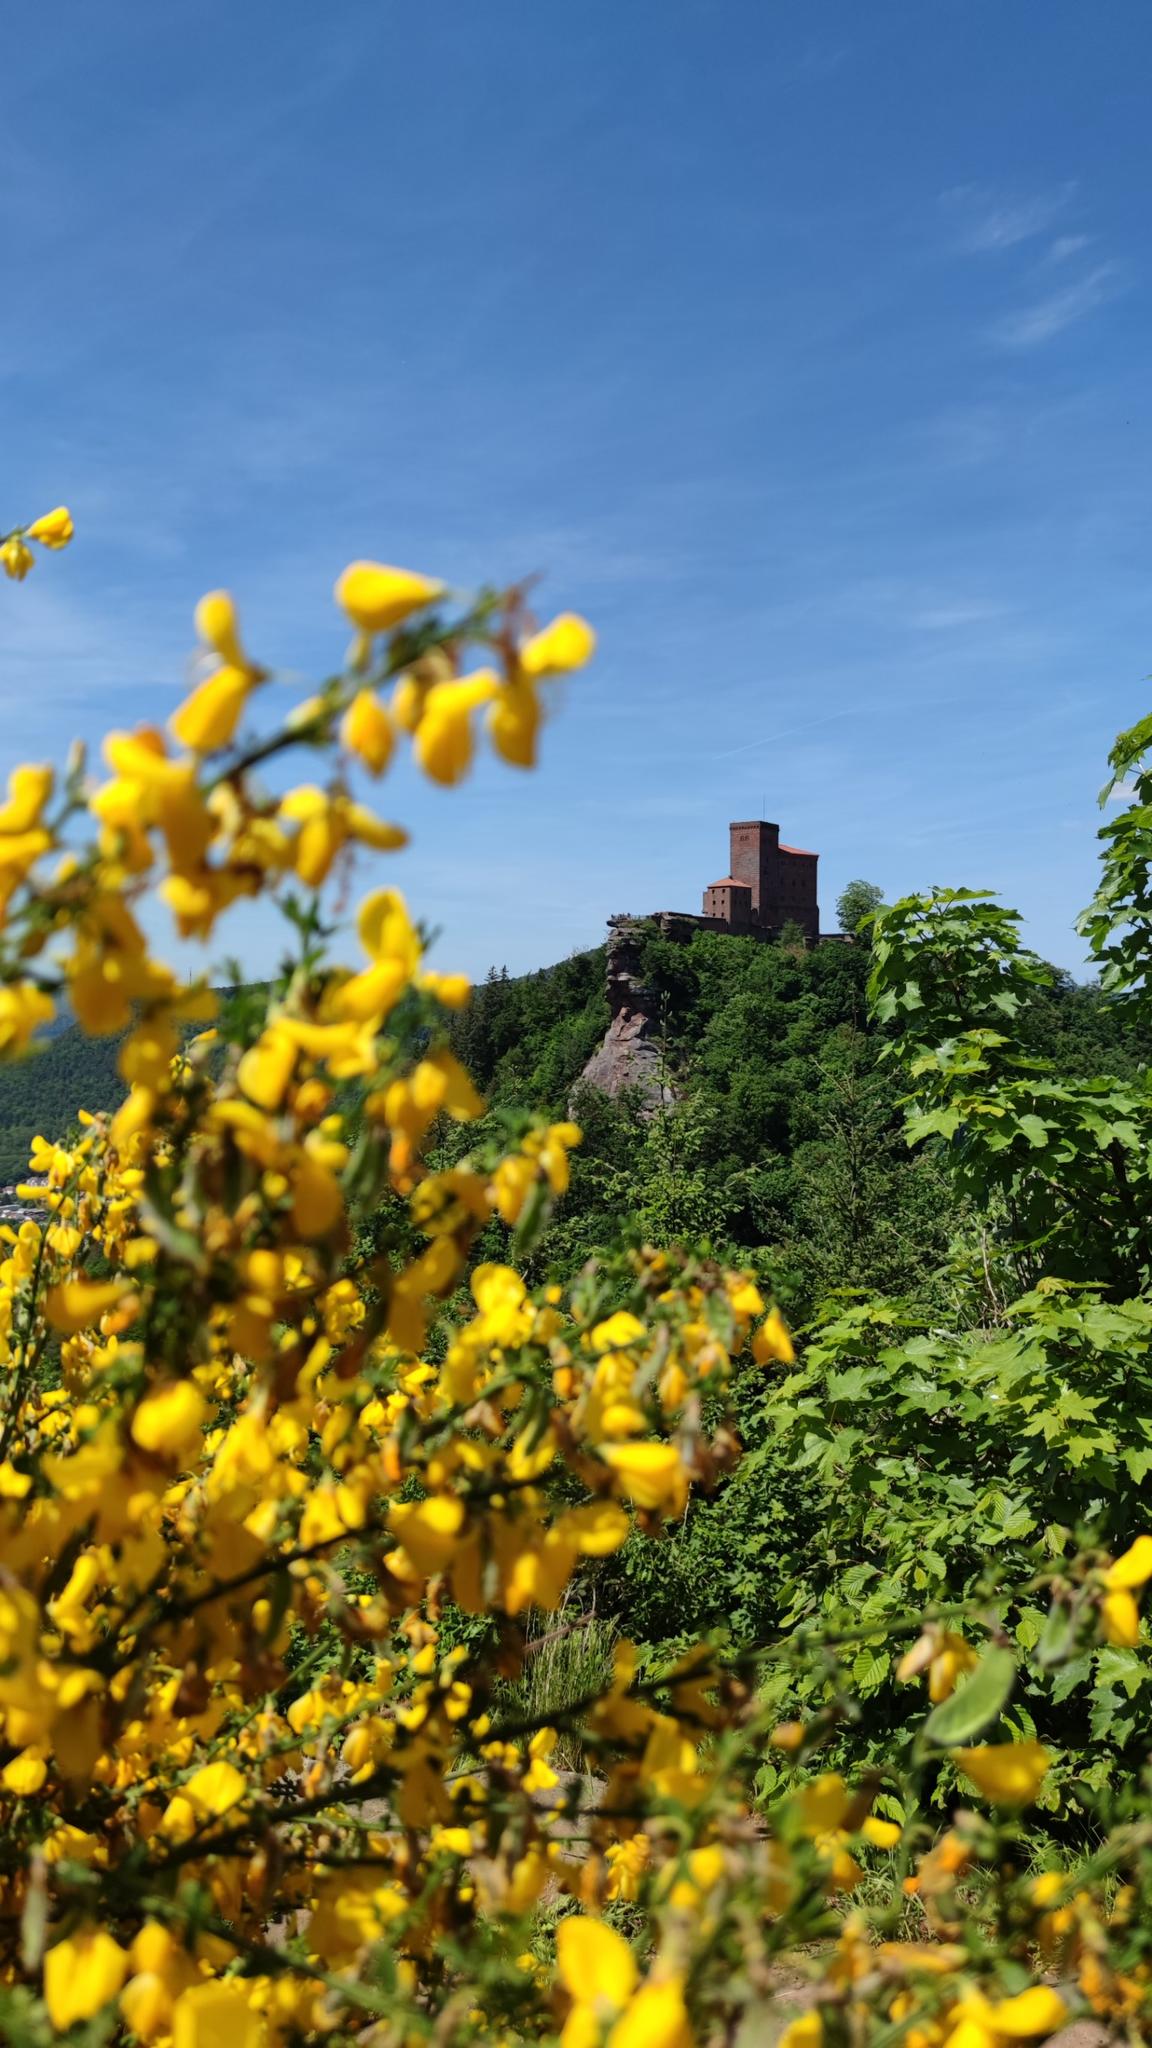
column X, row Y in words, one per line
column 849, row 1385
column 1030, row 1627
column 1035, row 1130
column 1078, row 1672
column 1115, row 1666
column 975, row 1703
column 870, row 1670
column 1057, row 1636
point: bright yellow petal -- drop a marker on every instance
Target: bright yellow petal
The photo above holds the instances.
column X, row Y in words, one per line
column 208, row 718
column 218, row 2014
column 1121, row 1618
column 1134, row 1568
column 567, row 643
column 771, row 1342
column 595, row 1962
column 77, row 1304
column 368, row 732
column 265, row 1072
column 218, row 625
column 81, row 1976
column 170, row 1420
column 656, row 2018
column 53, row 529
column 377, row 597
column 1039, row 2010
column 1011, row 1773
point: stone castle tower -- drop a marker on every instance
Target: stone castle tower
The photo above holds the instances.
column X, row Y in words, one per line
column 767, row 884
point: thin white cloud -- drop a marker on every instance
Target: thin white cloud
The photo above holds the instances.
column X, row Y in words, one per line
column 989, row 222
column 1033, row 325
column 898, row 604
column 1067, row 245
column 951, row 618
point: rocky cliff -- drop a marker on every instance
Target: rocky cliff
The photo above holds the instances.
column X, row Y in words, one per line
column 631, row 1055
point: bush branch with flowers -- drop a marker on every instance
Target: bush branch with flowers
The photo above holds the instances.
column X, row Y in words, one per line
column 282, row 1497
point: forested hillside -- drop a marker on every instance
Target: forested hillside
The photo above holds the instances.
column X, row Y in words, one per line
column 784, row 1139
column 40, row 1095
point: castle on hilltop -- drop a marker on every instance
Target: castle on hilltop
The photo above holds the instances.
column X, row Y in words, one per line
column 767, row 885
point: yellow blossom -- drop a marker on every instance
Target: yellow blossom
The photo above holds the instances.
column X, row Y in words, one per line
column 77, row 1304
column 656, row 2018
column 266, row 1069
column 377, row 597
column 327, row 823
column 208, row 718
column 24, row 1775
column 82, row 1974
column 23, row 1008
column 1011, row 1773
column 595, row 1963
column 209, row 1794
column 16, row 557
column 771, row 1343
column 219, row 627
column 1039, row 2010
column 170, row 1420
column 1133, row 1569
column 651, row 1474
column 444, row 739
column 52, row 529
column 567, row 643
column 367, row 731
column 219, row 2014
column 616, row 1331
column 806, row 2031
column 1121, row 1618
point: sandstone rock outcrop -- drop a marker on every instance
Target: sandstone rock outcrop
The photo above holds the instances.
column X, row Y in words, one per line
column 631, row 1055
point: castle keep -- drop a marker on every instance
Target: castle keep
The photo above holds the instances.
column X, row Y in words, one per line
column 767, row 884
column 767, row 887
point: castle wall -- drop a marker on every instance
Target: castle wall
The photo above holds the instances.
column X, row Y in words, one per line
column 796, row 891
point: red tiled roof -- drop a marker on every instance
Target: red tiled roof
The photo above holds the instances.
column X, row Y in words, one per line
column 729, row 882
column 808, row 855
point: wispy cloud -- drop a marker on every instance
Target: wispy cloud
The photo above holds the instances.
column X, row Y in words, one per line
column 989, row 221
column 898, row 604
column 952, row 618
column 1067, row 245
column 1049, row 316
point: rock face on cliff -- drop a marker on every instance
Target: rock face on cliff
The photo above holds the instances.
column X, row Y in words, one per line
column 631, row 1055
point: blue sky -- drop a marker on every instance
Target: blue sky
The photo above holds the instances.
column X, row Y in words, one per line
column 803, row 346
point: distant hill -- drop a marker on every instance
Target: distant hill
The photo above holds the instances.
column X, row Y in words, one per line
column 41, row 1095
column 781, row 1137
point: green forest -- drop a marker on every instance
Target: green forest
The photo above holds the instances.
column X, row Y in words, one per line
column 961, row 1396
column 973, row 1375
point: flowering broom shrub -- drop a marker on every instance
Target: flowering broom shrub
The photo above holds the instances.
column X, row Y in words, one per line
column 289, row 1489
